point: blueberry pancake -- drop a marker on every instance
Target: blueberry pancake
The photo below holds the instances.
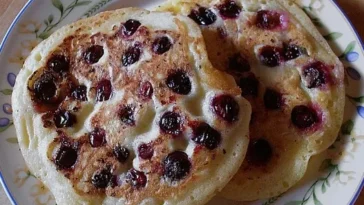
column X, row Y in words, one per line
column 125, row 108
column 289, row 74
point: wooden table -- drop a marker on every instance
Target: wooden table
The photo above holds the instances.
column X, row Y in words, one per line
column 9, row 9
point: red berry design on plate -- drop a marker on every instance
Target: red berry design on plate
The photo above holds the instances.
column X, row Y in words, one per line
column 130, row 27
column 121, row 153
column 145, row 151
column 179, row 82
column 270, row 20
column 272, row 99
column 270, row 56
column 103, row 90
column 93, row 54
column 58, row 64
column 176, row 166
column 136, row 178
column 226, row 107
column 171, row 123
column 80, row 93
column 207, row 136
column 315, row 74
column 97, row 137
column 161, row 45
column 64, row 118
column 101, row 179
column 131, row 55
column 203, row 16
column 304, row 117
column 259, row 151
column 229, row 9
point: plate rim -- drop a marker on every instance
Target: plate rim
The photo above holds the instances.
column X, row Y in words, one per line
column 29, row 2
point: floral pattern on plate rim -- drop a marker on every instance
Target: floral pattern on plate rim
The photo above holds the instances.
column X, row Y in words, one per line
column 341, row 151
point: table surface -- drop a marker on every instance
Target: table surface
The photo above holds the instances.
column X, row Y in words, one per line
column 9, row 9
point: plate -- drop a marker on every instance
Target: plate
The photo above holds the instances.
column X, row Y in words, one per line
column 334, row 177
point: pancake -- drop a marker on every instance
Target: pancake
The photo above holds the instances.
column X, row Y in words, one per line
column 291, row 77
column 125, row 108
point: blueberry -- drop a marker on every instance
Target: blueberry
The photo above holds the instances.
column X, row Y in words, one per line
column 64, row 118
column 80, row 93
column 131, row 55
column 171, row 123
column 145, row 151
column 130, row 27
column 103, row 90
column 58, row 63
column 229, row 9
column 179, row 82
column 270, row 56
column 268, row 20
column 145, row 90
column 226, row 107
column 304, row 117
column 97, row 137
column 136, row 178
column 249, row 86
column 161, row 45
column 93, row 54
column 101, row 179
column 66, row 157
column 259, row 151
column 272, row 99
column 176, row 166
column 121, row 153
column 126, row 114
column 207, row 136
column 203, row 16
column 314, row 74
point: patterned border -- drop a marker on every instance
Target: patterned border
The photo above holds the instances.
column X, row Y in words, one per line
column 2, row 180
column 361, row 186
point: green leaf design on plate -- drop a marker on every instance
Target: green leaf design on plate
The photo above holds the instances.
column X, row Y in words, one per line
column 51, row 23
column 328, row 183
column 50, row 18
column 2, row 129
column 272, row 200
column 358, row 99
column 323, row 187
column 349, row 48
column 317, row 22
column 294, row 203
column 82, row 3
column 315, row 200
column 333, row 36
column 44, row 35
column 12, row 140
column 347, row 127
column 96, row 7
column 6, row 91
column 58, row 4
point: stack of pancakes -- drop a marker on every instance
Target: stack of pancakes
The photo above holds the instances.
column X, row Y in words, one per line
column 227, row 97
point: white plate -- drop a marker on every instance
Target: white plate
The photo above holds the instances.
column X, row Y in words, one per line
column 334, row 177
